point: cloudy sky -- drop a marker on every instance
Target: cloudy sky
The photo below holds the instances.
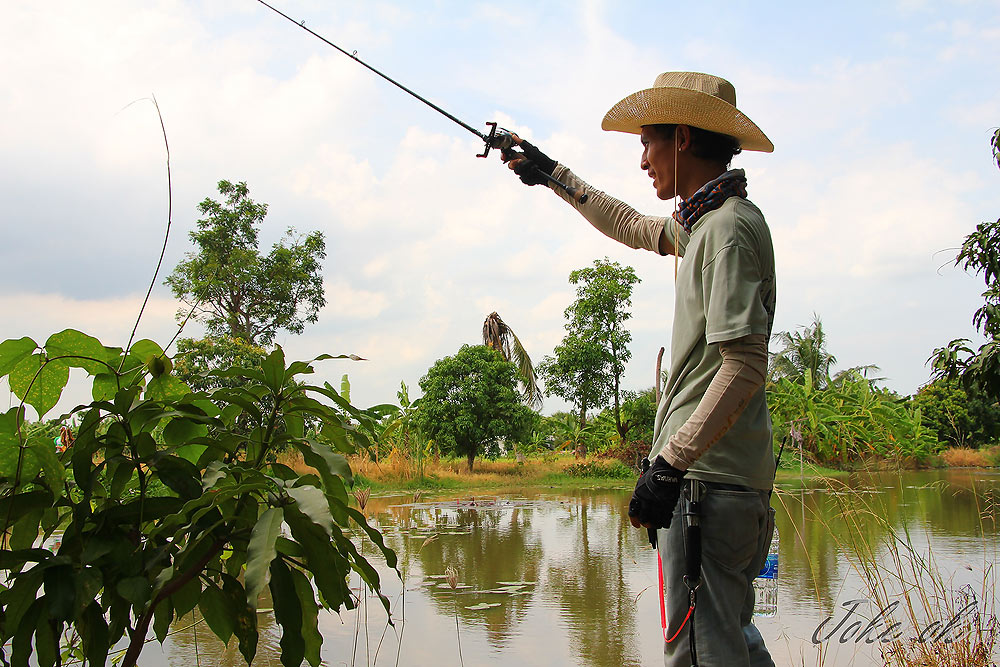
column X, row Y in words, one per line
column 880, row 114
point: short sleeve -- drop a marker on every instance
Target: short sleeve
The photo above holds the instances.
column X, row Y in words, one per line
column 731, row 285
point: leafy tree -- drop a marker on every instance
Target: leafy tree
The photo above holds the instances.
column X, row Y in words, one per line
column 596, row 343
column 577, row 372
column 237, row 291
column 165, row 505
column 803, row 353
column 960, row 416
column 197, row 357
column 471, row 403
column 980, row 253
column 499, row 336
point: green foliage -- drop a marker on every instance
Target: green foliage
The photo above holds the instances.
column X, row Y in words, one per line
column 166, row 505
column 577, row 372
column 639, row 414
column 237, row 291
column 197, row 358
column 499, row 336
column 587, row 366
column 471, row 403
column 848, row 422
column 959, row 416
column 803, row 353
column 980, row 253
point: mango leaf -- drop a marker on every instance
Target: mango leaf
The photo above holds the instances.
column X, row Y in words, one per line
column 261, row 552
column 39, row 385
column 88, row 582
column 10, row 444
column 24, row 532
column 166, row 387
column 42, row 451
column 180, row 431
column 273, row 367
column 324, row 561
column 329, row 463
column 163, row 615
column 288, row 614
column 244, row 617
column 46, row 644
column 135, row 590
column 93, row 631
column 142, row 349
column 186, row 597
column 215, row 609
column 13, row 352
column 180, row 475
column 73, row 343
column 20, row 649
column 311, row 638
column 312, row 503
column 105, row 387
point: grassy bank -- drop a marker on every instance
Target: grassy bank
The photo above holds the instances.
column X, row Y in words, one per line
column 558, row 471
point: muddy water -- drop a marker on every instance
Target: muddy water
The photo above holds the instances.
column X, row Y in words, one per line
column 561, row 578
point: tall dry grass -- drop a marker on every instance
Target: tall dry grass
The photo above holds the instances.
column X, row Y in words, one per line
column 398, row 468
column 943, row 624
column 964, row 457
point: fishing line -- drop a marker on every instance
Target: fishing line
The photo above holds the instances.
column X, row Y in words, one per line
column 497, row 138
column 354, row 56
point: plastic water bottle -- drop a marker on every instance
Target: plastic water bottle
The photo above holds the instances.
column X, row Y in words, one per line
column 765, row 586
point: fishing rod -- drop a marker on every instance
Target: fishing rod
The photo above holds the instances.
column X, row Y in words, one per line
column 498, row 138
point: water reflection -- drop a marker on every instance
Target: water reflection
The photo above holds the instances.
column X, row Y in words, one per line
column 561, row 578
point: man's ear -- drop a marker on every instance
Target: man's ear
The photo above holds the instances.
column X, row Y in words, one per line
column 682, row 137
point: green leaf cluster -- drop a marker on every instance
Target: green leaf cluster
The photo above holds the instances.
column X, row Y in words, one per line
column 471, row 404
column 848, row 422
column 586, row 368
column 169, row 500
column 979, row 370
column 237, row 291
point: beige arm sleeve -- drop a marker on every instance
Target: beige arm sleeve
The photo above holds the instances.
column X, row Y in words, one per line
column 743, row 371
column 619, row 221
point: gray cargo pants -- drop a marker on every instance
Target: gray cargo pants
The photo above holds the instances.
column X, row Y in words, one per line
column 735, row 538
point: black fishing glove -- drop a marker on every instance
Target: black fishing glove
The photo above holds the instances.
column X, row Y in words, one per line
column 533, row 165
column 655, row 495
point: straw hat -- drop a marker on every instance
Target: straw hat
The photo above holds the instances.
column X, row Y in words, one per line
column 687, row 98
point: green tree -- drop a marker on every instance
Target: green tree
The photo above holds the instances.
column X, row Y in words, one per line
column 499, row 336
column 596, row 322
column 471, row 403
column 980, row 253
column 234, row 289
column 960, row 416
column 165, row 505
column 803, row 353
column 198, row 357
column 577, row 372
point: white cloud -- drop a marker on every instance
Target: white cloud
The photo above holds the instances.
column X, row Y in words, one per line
column 348, row 302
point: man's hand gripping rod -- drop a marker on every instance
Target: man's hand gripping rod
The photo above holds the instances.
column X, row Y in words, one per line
column 501, row 139
column 504, row 140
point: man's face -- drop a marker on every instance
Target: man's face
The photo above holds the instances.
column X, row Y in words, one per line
column 658, row 160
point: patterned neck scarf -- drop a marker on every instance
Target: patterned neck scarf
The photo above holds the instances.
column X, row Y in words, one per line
column 711, row 196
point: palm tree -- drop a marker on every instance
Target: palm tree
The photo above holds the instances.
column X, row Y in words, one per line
column 803, row 352
column 499, row 336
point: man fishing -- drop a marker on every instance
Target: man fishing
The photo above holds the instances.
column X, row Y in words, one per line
column 706, row 488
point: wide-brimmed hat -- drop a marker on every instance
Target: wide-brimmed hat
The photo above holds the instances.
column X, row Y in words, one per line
column 688, row 98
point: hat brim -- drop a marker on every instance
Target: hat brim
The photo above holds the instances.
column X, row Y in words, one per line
column 683, row 106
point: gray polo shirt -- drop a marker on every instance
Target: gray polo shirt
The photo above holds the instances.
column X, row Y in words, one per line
column 725, row 290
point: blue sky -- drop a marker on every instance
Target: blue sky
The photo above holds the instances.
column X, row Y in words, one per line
column 880, row 114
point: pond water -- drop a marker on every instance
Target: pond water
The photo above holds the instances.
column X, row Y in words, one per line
column 556, row 577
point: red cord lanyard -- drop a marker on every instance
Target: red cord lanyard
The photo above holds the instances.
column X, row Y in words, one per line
column 663, row 605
